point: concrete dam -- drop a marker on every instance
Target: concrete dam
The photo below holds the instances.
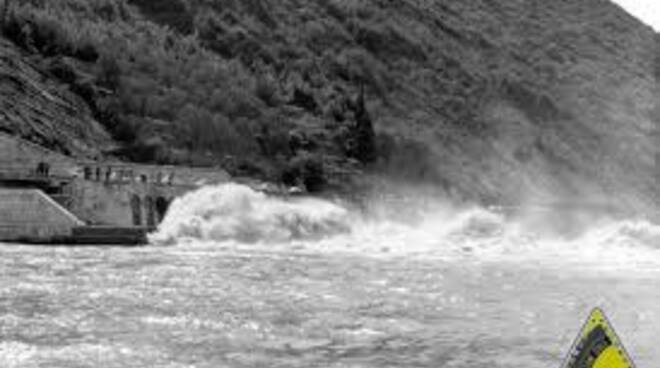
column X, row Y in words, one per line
column 46, row 197
column 30, row 213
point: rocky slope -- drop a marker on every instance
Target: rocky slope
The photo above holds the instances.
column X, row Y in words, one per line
column 523, row 101
column 36, row 106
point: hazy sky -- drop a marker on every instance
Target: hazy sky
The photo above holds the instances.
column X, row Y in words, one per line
column 646, row 10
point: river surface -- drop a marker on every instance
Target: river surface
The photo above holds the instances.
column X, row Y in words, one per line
column 476, row 298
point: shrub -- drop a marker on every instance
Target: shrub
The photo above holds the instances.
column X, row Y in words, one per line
column 171, row 13
column 266, row 90
column 305, row 169
column 109, row 73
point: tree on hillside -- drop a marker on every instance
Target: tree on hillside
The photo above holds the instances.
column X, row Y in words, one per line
column 363, row 135
column 6, row 5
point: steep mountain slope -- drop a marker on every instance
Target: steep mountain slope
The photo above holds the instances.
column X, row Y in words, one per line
column 35, row 106
column 516, row 102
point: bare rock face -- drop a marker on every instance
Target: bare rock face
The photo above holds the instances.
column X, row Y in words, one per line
column 37, row 107
column 517, row 102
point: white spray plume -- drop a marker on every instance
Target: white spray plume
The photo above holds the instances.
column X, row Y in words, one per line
column 238, row 213
column 232, row 214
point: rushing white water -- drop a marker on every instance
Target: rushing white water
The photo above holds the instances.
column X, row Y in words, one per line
column 253, row 281
column 235, row 215
column 232, row 212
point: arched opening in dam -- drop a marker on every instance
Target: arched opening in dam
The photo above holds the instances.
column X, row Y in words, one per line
column 162, row 205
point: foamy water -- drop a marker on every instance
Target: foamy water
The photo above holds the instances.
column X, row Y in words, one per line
column 236, row 216
column 236, row 278
column 233, row 212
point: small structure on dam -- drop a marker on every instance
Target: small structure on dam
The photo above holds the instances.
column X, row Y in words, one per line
column 46, row 197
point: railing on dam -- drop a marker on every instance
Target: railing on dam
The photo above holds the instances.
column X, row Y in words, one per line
column 38, row 173
column 126, row 174
column 152, row 175
column 43, row 172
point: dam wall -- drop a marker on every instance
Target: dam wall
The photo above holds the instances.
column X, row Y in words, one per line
column 30, row 215
column 134, row 195
column 47, row 197
column 122, row 204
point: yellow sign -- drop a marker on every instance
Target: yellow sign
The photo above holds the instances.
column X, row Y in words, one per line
column 598, row 346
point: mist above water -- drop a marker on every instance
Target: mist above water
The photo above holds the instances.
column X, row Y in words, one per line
column 233, row 215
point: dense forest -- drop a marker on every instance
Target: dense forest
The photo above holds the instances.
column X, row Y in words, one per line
column 494, row 101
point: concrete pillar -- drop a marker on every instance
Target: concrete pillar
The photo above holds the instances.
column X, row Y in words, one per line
column 136, row 208
column 151, row 213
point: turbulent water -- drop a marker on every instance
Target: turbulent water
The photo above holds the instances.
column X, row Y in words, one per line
column 235, row 278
